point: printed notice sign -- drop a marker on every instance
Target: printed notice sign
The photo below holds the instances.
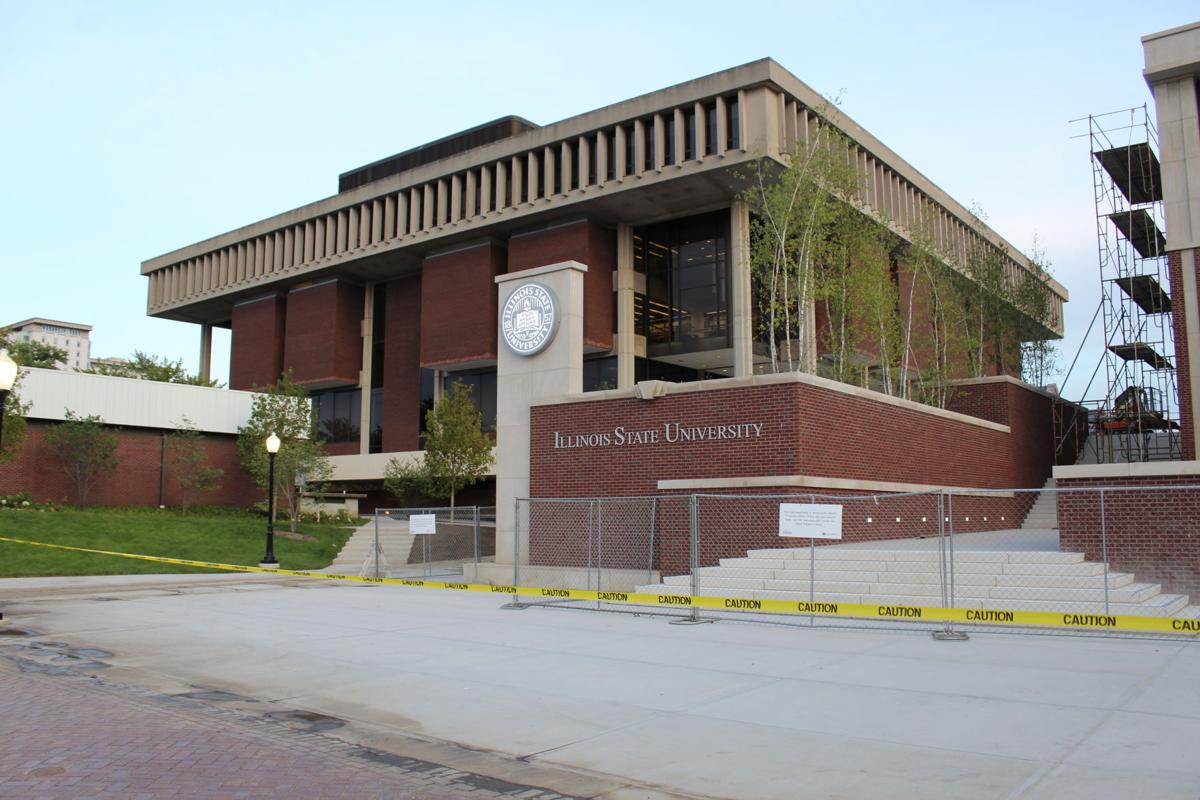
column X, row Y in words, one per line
column 422, row 523
column 810, row 520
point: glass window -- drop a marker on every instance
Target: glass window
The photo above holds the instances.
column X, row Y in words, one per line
column 610, row 145
column 483, row 392
column 600, row 374
column 687, row 298
column 733, row 129
column 630, row 149
column 338, row 415
column 669, row 157
column 710, row 128
column 689, row 132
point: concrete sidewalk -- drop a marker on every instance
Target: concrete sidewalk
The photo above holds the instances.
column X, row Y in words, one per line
column 621, row 706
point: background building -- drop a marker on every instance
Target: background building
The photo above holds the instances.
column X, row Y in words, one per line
column 70, row 336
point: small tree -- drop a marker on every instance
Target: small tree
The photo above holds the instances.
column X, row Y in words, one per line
column 457, row 451
column 188, row 462
column 85, row 449
column 409, row 481
column 286, row 411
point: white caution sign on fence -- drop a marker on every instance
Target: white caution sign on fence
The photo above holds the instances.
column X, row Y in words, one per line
column 422, row 523
column 810, row 520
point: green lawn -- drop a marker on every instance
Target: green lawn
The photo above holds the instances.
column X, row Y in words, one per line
column 227, row 537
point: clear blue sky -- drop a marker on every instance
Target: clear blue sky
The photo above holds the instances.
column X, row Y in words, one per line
column 131, row 129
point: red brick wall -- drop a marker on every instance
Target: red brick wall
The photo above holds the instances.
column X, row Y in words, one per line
column 807, row 430
column 138, row 478
column 402, row 364
column 1182, row 368
column 256, row 343
column 458, row 305
column 741, row 520
column 323, row 343
column 1153, row 534
column 588, row 243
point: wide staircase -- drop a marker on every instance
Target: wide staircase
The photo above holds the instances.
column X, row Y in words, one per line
column 1033, row 577
column 1043, row 515
column 394, row 539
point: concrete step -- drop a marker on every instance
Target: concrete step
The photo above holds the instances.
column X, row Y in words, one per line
column 721, row 576
column 930, row 554
column 930, row 566
column 1132, row 593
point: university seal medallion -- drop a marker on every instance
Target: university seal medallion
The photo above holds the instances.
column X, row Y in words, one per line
column 529, row 319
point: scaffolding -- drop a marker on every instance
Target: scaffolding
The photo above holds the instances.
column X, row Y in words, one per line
column 1138, row 418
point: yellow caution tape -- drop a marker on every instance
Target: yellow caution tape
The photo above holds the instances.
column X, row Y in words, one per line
column 802, row 607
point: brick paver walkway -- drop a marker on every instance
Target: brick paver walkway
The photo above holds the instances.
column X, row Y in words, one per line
column 66, row 735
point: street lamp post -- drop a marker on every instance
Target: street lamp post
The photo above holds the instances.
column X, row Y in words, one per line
column 269, row 559
column 8, row 376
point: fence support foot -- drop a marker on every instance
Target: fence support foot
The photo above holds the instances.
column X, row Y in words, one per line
column 691, row 621
column 515, row 606
column 950, row 635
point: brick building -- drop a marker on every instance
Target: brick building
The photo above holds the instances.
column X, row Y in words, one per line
column 72, row 337
column 379, row 296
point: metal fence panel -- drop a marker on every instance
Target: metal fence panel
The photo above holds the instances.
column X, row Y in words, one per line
column 1089, row 553
column 463, row 535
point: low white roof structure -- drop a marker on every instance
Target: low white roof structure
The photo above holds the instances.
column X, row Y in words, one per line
column 132, row 402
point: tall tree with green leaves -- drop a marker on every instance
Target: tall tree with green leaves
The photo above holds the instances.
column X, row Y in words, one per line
column 32, row 354
column 189, row 464
column 147, row 367
column 457, row 451
column 795, row 211
column 286, row 411
column 85, row 449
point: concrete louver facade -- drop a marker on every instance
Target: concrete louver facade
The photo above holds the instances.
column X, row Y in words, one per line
column 302, row 289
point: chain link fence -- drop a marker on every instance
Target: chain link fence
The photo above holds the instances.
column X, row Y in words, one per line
column 424, row 542
column 1086, row 553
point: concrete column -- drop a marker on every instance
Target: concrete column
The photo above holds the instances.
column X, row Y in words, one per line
column 639, row 147
column 619, row 151
column 525, row 381
column 364, row 376
column 585, row 162
column 205, row 372
column 1191, row 325
column 565, row 165
column 740, row 319
column 759, row 121
column 660, row 142
column 532, row 177
column 516, row 175
column 626, row 335
column 549, row 162
column 601, row 158
column 455, row 198
column 701, row 131
column 485, row 190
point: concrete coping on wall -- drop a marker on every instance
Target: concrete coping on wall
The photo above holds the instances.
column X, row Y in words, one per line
column 646, row 391
column 1020, row 384
column 1131, row 469
column 817, row 482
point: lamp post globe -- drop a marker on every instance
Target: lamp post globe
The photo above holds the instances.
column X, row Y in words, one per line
column 272, row 444
column 8, row 376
